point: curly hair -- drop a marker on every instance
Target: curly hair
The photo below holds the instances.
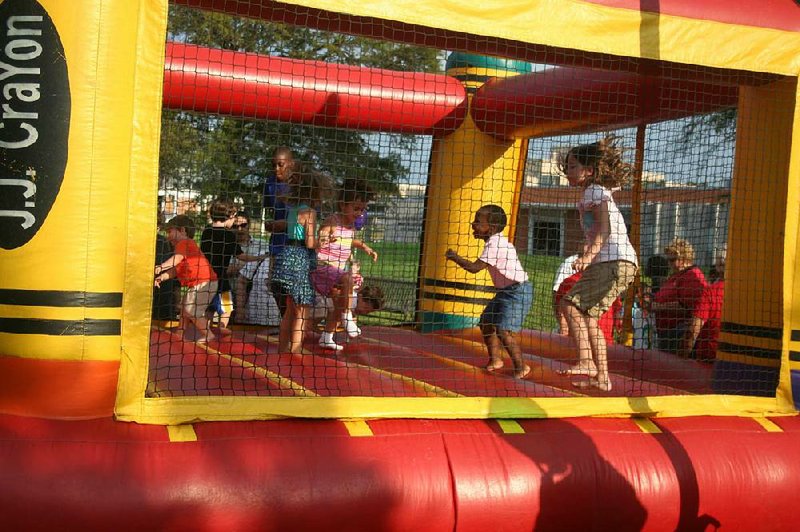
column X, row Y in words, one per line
column 682, row 249
column 495, row 216
column 605, row 158
column 309, row 187
column 355, row 189
column 221, row 209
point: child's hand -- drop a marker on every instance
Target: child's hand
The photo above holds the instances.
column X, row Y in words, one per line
column 157, row 270
column 450, row 254
column 580, row 263
column 371, row 252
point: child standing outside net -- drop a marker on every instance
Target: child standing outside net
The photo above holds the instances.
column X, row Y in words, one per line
column 608, row 261
column 291, row 282
column 332, row 278
column 503, row 316
column 193, row 271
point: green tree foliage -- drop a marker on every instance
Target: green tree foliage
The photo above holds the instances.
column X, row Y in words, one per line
column 221, row 155
column 722, row 123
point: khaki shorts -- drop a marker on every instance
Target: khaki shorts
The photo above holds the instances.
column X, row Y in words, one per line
column 197, row 298
column 600, row 285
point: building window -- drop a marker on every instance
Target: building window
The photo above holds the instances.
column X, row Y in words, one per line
column 545, row 238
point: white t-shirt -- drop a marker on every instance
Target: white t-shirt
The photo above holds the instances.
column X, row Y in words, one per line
column 504, row 265
column 261, row 308
column 618, row 245
column 564, row 271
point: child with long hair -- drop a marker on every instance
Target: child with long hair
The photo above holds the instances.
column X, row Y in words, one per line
column 608, row 262
column 333, row 278
column 291, row 282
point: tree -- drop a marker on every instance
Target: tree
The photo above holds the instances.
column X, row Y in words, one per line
column 722, row 123
column 217, row 155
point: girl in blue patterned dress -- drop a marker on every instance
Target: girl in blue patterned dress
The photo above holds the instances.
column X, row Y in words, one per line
column 291, row 279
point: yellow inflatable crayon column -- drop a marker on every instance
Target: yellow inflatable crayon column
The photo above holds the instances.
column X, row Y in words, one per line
column 468, row 168
column 81, row 83
column 750, row 353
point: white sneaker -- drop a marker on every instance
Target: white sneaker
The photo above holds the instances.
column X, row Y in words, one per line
column 329, row 344
column 353, row 330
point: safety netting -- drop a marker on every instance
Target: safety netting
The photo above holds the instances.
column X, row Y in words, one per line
column 345, row 216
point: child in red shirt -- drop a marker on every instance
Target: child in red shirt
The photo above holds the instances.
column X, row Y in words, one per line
column 193, row 271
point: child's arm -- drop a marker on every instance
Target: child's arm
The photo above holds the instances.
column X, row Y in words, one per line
column 308, row 218
column 275, row 226
column 690, row 337
column 368, row 250
column 470, row 266
column 163, row 276
column 600, row 237
column 244, row 257
column 169, row 263
column 326, row 236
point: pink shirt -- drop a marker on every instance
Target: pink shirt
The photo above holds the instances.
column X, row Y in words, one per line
column 504, row 265
column 337, row 253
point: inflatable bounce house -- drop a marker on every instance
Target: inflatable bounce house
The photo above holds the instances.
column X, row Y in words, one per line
column 111, row 420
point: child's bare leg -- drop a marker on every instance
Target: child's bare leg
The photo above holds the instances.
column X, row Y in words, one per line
column 285, row 331
column 493, row 345
column 223, row 323
column 301, row 316
column 201, row 324
column 598, row 342
column 579, row 331
column 339, row 298
column 509, row 340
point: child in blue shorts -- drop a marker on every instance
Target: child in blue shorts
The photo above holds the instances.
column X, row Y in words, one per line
column 504, row 314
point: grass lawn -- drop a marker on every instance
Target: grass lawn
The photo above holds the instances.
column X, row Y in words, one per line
column 399, row 263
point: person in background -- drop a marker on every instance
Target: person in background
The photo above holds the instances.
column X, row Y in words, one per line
column 701, row 337
column 219, row 244
column 241, row 283
column 189, row 265
column 276, row 188
column 502, row 319
column 564, row 271
column 164, row 295
column 678, row 298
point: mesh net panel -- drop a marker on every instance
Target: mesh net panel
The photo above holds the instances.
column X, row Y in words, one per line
column 263, row 136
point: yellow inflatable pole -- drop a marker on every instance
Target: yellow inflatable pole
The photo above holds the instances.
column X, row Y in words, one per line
column 82, row 86
column 750, row 343
column 468, row 169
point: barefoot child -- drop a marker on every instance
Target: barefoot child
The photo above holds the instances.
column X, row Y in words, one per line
column 332, row 278
column 291, row 281
column 608, row 261
column 503, row 316
column 193, row 271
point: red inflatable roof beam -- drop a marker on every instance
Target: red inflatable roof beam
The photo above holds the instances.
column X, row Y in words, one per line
column 559, row 101
column 310, row 92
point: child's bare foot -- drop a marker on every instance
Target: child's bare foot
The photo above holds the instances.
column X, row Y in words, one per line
column 224, row 331
column 586, row 369
column 522, row 373
column 494, row 364
column 594, row 382
column 206, row 339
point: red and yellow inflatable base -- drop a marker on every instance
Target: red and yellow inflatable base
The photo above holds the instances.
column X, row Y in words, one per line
column 565, row 474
